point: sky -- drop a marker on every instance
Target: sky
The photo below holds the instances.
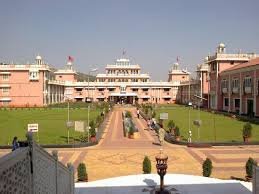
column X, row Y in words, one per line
column 152, row 32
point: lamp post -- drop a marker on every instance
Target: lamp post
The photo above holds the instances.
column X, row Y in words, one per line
column 161, row 166
column 88, row 98
column 190, row 131
column 198, row 123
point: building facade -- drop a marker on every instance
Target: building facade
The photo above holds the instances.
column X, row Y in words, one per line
column 36, row 85
column 224, row 82
column 239, row 88
column 28, row 85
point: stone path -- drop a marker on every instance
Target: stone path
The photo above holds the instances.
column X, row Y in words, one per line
column 117, row 155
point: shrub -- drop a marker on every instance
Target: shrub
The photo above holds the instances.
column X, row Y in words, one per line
column 249, row 167
column 153, row 114
column 247, row 130
column 131, row 130
column 128, row 114
column 146, row 165
column 81, row 172
column 92, row 129
column 171, row 125
column 177, row 131
column 98, row 120
column 207, row 167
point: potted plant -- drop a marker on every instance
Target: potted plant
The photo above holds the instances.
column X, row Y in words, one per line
column 146, row 165
column 177, row 133
column 131, row 132
column 171, row 126
column 81, row 172
column 249, row 168
column 207, row 168
column 92, row 131
column 247, row 132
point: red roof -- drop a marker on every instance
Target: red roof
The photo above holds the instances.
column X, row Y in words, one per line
column 250, row 63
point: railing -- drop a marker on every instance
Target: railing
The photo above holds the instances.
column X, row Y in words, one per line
column 255, row 183
column 235, row 90
column 248, row 90
column 224, row 90
column 33, row 170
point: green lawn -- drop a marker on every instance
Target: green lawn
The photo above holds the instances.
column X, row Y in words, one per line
column 52, row 124
column 227, row 129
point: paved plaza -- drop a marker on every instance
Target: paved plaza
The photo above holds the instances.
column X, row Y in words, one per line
column 117, row 155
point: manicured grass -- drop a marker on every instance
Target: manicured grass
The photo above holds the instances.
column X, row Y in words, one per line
column 52, row 124
column 227, row 129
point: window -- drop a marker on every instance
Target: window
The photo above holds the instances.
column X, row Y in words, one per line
column 60, row 76
column 237, row 103
column 145, row 99
column 145, row 89
column 5, row 77
column 34, row 75
column 235, row 83
column 100, row 89
column 79, row 89
column 5, row 91
column 248, row 81
column 134, row 89
column 111, row 89
column 5, row 103
column 225, row 101
column 214, row 67
column 166, row 89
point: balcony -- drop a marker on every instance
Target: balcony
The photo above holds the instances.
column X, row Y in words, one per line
column 248, row 90
column 224, row 90
column 235, row 90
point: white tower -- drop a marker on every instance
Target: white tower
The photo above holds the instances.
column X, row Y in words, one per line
column 38, row 60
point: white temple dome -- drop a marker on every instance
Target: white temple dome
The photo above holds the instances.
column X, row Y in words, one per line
column 38, row 57
column 222, row 45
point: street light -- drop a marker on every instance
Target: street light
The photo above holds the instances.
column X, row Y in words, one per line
column 198, row 123
column 190, row 131
column 88, row 99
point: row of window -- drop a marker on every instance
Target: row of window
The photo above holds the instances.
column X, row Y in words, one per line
column 33, row 75
column 113, row 89
column 5, row 77
column 247, row 82
column 125, row 72
column 122, row 80
column 235, row 101
column 5, row 91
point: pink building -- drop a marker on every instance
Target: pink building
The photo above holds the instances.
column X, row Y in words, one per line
column 28, row 85
column 219, row 62
column 239, row 88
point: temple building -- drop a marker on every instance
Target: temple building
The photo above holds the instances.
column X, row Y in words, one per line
column 36, row 85
column 224, row 82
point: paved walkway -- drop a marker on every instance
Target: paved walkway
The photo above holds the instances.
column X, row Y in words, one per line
column 117, row 155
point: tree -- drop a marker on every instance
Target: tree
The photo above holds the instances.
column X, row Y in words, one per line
column 247, row 130
column 207, row 167
column 249, row 167
column 81, row 172
column 146, row 165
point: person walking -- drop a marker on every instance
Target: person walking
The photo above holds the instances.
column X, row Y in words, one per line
column 15, row 144
column 138, row 113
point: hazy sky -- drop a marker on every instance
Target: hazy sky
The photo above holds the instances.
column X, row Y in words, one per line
column 153, row 33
